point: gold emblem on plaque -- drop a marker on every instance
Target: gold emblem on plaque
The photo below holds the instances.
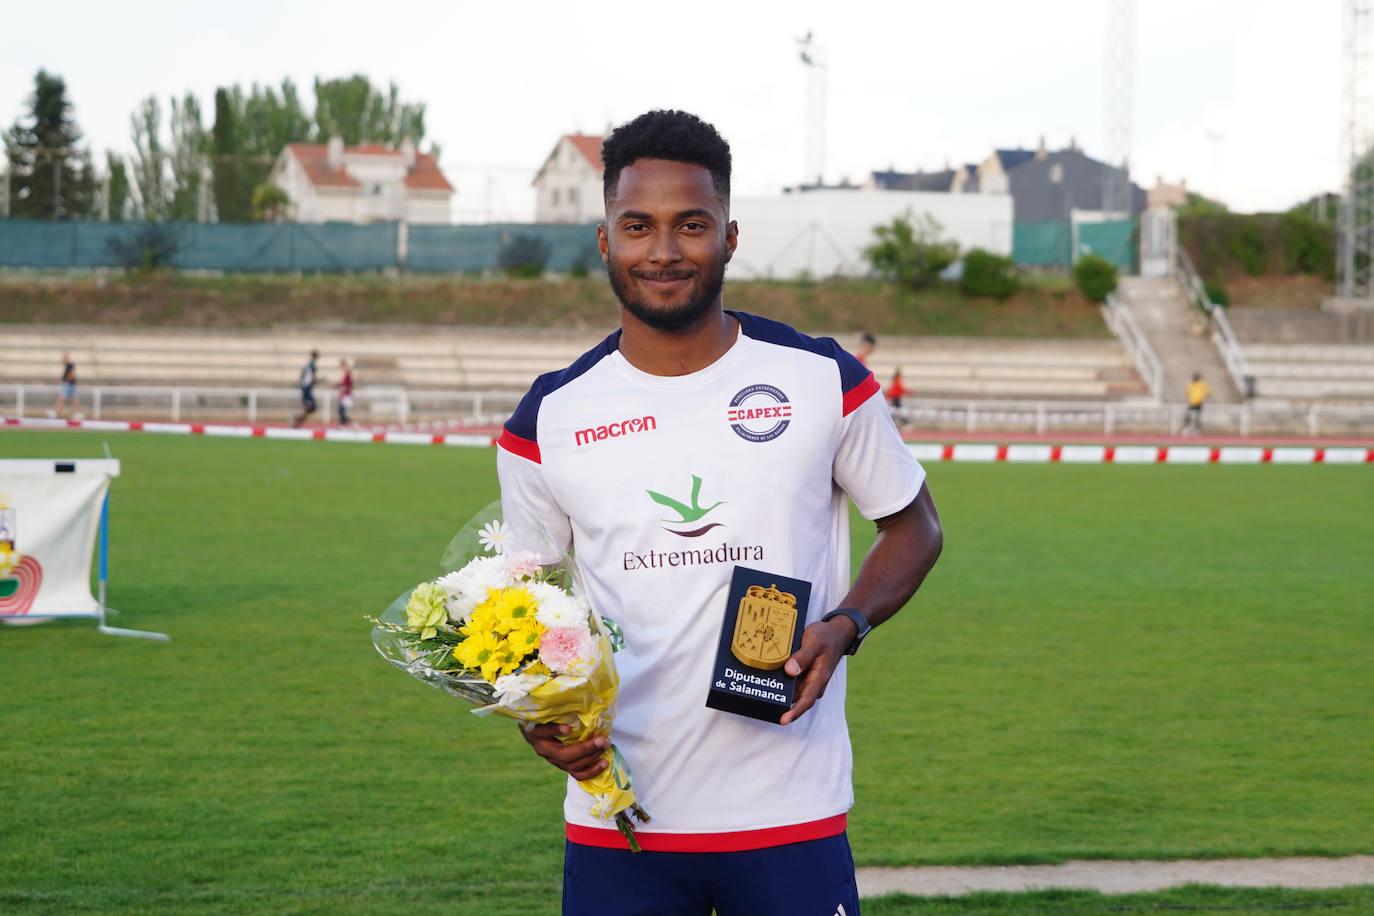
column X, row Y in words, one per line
column 764, row 626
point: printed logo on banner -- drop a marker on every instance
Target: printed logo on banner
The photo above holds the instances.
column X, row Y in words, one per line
column 20, row 576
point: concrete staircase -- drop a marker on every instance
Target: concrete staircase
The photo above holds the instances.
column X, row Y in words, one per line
column 1178, row 334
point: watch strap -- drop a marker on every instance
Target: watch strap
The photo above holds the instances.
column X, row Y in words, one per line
column 860, row 621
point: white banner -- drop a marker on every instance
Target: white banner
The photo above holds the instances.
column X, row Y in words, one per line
column 49, row 516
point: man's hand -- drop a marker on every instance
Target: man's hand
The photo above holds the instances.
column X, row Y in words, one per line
column 580, row 760
column 822, row 647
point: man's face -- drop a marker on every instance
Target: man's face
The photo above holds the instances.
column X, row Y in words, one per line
column 665, row 243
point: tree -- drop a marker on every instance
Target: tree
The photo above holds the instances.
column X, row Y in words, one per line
column 50, row 177
column 233, row 186
column 351, row 108
column 269, row 203
column 910, row 252
column 187, row 159
column 118, row 199
column 150, row 179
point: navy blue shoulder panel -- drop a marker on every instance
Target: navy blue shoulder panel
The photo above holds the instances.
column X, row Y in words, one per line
column 525, row 421
column 852, row 372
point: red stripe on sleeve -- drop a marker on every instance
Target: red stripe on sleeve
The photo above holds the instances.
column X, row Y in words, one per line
column 518, row 446
column 860, row 393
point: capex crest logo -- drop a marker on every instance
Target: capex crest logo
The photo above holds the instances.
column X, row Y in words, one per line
column 759, row 413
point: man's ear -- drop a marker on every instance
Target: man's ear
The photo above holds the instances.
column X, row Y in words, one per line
column 603, row 244
column 731, row 239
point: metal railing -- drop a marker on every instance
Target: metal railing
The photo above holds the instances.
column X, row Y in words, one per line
column 372, row 406
column 1237, row 366
column 1251, row 418
column 388, row 406
column 1121, row 321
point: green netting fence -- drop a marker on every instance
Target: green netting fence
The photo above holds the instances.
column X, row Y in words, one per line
column 1052, row 242
column 266, row 247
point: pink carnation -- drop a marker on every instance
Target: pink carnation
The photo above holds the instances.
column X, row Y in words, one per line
column 562, row 647
column 523, row 565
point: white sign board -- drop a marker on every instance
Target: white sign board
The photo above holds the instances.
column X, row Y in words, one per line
column 49, row 515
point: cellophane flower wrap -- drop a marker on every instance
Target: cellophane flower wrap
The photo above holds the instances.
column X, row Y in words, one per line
column 518, row 639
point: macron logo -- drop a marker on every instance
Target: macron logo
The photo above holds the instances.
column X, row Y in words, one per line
column 615, row 430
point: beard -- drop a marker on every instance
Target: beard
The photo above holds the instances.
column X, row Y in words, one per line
column 679, row 316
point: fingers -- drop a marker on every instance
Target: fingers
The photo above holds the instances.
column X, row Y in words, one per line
column 579, row 759
column 810, row 688
column 814, row 663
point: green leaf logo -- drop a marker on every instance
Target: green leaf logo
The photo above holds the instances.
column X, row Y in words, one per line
column 688, row 513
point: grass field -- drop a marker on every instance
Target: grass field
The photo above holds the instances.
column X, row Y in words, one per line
column 1158, row 661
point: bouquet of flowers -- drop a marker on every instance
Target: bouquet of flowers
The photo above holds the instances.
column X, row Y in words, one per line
column 519, row 640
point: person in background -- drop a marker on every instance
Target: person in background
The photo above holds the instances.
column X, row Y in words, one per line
column 306, row 383
column 67, row 395
column 866, row 344
column 894, row 394
column 345, row 386
column 1197, row 393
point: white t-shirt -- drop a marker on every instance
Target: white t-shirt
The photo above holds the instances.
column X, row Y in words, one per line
column 660, row 486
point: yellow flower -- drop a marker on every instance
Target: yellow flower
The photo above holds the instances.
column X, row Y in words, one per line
column 514, row 607
column 485, row 653
column 425, row 610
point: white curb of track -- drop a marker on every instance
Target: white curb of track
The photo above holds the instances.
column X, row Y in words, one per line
column 967, row 452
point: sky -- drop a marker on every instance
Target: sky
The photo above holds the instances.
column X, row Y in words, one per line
column 1239, row 97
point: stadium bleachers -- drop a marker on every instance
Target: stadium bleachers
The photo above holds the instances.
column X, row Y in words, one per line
column 1312, row 371
column 499, row 359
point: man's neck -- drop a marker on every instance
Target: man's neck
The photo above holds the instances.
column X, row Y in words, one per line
column 692, row 349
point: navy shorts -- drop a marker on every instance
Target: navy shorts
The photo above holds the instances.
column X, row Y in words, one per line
column 811, row 878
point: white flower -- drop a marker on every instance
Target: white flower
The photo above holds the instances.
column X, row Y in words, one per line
column 603, row 806
column 556, row 607
column 495, row 537
column 513, row 688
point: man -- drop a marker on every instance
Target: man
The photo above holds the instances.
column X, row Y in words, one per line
column 345, row 386
column 756, row 433
column 306, row 383
column 1197, row 394
column 67, row 393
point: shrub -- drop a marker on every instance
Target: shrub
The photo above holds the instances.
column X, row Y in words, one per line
column 1309, row 244
column 987, row 274
column 1249, row 249
column 1216, row 291
column 145, row 251
column 910, row 251
column 1095, row 276
column 525, row 256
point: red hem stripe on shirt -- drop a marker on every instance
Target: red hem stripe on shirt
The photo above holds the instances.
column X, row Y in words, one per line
column 860, row 393
column 519, row 446
column 736, row 841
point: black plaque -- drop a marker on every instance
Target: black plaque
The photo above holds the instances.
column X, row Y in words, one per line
column 764, row 617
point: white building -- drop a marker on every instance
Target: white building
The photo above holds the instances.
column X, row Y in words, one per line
column 568, row 184
column 361, row 184
column 824, row 233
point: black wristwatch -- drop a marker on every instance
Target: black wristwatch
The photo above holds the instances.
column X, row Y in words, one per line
column 860, row 621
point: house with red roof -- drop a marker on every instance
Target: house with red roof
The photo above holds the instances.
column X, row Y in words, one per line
column 330, row 182
column 568, row 184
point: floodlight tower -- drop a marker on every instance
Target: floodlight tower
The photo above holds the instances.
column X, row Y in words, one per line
column 1355, row 249
column 813, row 57
column 1119, row 83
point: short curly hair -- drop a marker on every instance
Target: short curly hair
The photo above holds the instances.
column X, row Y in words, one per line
column 678, row 136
